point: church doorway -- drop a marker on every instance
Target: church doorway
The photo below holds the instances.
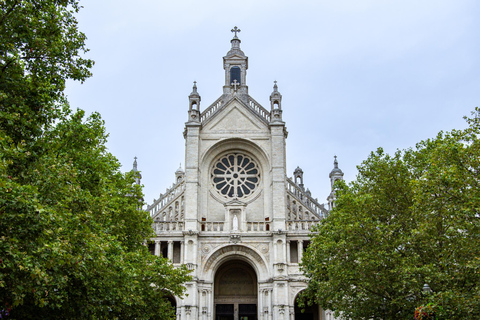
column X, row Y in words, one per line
column 235, row 291
column 308, row 312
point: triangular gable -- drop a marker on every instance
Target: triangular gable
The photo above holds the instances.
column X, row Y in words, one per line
column 235, row 116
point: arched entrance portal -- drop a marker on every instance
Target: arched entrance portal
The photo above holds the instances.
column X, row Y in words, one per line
column 235, row 291
column 309, row 312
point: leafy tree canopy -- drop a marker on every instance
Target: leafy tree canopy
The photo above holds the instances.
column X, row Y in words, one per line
column 71, row 228
column 409, row 219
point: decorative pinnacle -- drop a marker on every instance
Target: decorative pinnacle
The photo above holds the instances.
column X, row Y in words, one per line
column 275, row 87
column 335, row 162
column 135, row 164
column 194, row 86
column 236, row 30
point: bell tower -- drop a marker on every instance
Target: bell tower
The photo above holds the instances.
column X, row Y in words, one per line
column 235, row 64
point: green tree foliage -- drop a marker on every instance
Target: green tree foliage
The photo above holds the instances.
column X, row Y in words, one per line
column 408, row 219
column 71, row 232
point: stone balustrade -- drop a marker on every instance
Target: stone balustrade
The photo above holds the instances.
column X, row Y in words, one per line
column 212, row 225
column 167, row 226
column 261, row 111
column 207, row 113
column 309, row 202
column 167, row 198
column 300, row 225
column 219, row 226
column 258, row 226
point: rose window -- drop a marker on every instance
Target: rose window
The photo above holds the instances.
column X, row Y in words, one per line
column 235, row 175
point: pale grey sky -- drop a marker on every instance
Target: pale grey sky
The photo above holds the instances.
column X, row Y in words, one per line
column 355, row 75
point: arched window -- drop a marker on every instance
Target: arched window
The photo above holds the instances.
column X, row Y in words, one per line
column 235, row 75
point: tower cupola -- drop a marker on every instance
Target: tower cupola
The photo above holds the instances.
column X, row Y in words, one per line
column 335, row 174
column 235, row 64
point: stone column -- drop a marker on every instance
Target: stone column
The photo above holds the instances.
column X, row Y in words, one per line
column 182, row 251
column 170, row 250
column 270, row 304
column 288, row 251
column 260, row 304
column 157, row 247
column 300, row 250
column 210, row 305
column 275, row 250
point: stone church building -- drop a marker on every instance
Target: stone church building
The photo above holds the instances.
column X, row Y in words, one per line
column 234, row 217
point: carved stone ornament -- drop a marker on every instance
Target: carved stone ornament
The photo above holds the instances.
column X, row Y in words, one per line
column 206, row 249
column 191, row 266
column 280, row 267
column 235, row 238
column 190, row 233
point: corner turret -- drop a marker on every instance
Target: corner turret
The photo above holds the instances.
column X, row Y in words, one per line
column 335, row 174
column 194, row 104
column 179, row 174
column 298, row 177
column 276, row 103
column 138, row 176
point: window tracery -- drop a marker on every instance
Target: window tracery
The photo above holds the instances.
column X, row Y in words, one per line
column 235, row 175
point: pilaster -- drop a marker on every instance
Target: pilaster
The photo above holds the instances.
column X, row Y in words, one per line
column 192, row 141
column 278, row 135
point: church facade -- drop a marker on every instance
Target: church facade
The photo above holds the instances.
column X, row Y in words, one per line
column 234, row 217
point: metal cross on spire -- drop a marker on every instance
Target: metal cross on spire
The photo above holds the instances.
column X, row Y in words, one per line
column 236, row 30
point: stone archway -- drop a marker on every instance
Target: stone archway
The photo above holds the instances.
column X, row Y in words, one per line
column 235, row 291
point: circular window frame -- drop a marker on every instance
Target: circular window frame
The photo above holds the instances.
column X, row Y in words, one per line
column 235, row 175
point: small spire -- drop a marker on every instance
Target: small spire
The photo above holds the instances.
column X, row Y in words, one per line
column 138, row 176
column 194, row 90
column 235, row 44
column 180, row 168
column 336, row 172
column 276, row 102
column 135, row 164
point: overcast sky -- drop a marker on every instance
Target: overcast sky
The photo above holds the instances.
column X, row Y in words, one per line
column 355, row 75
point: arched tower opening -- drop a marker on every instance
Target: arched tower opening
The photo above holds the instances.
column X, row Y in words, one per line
column 235, row 291
column 235, row 74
